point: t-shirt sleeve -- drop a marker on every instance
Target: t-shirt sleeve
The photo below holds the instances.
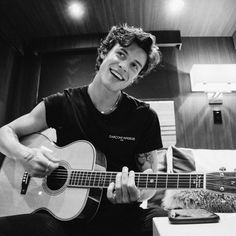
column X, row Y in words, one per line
column 151, row 137
column 55, row 110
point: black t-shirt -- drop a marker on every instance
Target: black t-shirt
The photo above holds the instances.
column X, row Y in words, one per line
column 131, row 129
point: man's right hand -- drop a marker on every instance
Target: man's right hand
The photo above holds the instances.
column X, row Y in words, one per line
column 40, row 162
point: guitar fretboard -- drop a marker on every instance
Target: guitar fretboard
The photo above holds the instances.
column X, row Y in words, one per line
column 90, row 179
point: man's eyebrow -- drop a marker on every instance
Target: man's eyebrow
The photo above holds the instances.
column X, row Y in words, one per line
column 125, row 51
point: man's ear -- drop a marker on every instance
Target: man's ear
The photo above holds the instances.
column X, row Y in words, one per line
column 103, row 55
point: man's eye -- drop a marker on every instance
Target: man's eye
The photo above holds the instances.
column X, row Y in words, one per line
column 135, row 66
column 121, row 54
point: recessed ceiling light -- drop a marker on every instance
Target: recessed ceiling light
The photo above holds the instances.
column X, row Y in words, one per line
column 76, row 10
column 175, row 5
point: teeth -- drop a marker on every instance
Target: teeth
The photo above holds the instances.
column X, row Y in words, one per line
column 117, row 75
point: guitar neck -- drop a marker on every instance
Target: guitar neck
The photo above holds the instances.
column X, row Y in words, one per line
column 90, row 179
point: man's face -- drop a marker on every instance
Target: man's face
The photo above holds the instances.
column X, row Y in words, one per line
column 121, row 66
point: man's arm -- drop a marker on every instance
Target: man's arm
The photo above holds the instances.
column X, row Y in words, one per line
column 35, row 161
column 147, row 160
column 124, row 189
column 147, row 163
column 30, row 123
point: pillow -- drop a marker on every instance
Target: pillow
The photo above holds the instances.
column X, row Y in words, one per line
column 183, row 160
column 156, row 200
column 172, row 160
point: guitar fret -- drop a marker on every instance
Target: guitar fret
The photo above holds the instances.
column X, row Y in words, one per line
column 143, row 180
column 72, row 178
column 137, row 179
column 194, row 181
column 161, row 181
column 184, row 181
column 80, row 178
column 178, row 181
column 88, row 178
column 96, row 181
column 76, row 178
column 83, row 179
column 156, row 181
column 197, row 181
column 101, row 180
column 151, row 181
column 93, row 177
column 107, row 179
column 112, row 178
column 190, row 181
column 172, row 181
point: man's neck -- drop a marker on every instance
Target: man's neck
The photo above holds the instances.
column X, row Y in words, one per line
column 103, row 99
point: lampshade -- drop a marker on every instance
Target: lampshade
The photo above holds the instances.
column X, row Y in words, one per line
column 213, row 77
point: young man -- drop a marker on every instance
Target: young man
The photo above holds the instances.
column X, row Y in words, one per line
column 125, row 129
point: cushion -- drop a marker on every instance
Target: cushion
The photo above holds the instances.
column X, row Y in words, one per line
column 172, row 160
column 161, row 168
column 183, row 160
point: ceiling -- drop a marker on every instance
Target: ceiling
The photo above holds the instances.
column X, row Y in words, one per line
column 25, row 20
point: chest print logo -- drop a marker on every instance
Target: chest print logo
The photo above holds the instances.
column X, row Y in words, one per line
column 121, row 138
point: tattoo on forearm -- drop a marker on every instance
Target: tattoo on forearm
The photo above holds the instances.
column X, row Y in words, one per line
column 145, row 160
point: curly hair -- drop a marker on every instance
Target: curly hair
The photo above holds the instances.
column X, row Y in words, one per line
column 125, row 35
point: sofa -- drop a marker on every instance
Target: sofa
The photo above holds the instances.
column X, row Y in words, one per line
column 221, row 164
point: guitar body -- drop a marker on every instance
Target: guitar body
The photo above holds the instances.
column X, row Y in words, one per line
column 64, row 203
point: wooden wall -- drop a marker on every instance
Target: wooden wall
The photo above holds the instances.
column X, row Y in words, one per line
column 194, row 117
column 6, row 67
column 19, row 76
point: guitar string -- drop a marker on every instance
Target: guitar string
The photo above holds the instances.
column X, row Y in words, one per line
column 144, row 174
column 86, row 179
column 65, row 175
column 139, row 176
column 91, row 177
column 107, row 172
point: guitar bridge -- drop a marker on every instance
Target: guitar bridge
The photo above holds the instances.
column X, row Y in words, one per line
column 25, row 182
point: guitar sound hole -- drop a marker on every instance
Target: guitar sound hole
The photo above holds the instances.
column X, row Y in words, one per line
column 57, row 178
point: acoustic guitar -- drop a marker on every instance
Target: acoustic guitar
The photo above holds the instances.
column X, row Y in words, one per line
column 75, row 188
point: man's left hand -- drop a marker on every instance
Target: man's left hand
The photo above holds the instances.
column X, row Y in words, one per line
column 124, row 189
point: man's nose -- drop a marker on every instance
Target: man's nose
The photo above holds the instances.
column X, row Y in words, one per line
column 123, row 66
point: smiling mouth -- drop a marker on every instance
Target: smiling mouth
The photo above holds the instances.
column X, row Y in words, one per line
column 117, row 75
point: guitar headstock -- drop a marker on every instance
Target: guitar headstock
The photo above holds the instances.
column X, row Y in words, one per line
column 222, row 181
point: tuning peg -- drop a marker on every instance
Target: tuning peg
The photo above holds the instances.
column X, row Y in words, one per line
column 223, row 169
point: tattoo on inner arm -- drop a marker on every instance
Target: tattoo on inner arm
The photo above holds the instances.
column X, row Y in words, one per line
column 145, row 160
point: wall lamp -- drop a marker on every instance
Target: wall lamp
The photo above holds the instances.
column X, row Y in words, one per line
column 213, row 79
